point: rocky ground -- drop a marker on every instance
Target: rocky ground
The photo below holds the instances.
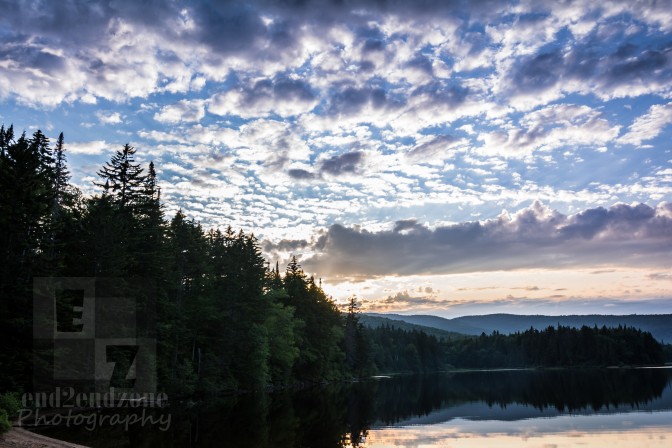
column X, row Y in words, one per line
column 20, row 438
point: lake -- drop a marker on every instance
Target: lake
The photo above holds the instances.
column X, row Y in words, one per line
column 531, row 408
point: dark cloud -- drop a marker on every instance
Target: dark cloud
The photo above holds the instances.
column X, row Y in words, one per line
column 84, row 22
column 300, row 174
column 406, row 224
column 281, row 88
column 534, row 237
column 372, row 33
column 292, row 89
column 347, row 163
column 631, row 63
column 225, row 26
column 539, row 72
column 421, row 62
column 329, row 10
column 373, row 45
column 285, row 245
column 366, row 66
column 442, row 93
column 31, row 57
column 621, row 218
column 352, row 100
column 342, row 164
column 229, row 27
column 269, row 31
column 638, row 66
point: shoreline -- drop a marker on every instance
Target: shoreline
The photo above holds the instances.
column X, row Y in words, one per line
column 17, row 437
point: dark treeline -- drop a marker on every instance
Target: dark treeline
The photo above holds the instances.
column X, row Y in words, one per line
column 667, row 351
column 225, row 319
column 398, row 350
column 558, row 346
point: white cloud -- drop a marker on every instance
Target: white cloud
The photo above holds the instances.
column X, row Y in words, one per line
column 183, row 111
column 551, row 127
column 649, row 125
column 91, row 147
column 109, row 117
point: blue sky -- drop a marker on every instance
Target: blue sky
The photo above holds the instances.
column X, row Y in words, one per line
column 435, row 157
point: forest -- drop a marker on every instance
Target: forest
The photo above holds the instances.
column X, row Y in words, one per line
column 225, row 319
column 558, row 347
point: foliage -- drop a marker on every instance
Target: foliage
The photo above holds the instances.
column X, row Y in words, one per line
column 558, row 346
column 375, row 321
column 667, row 350
column 397, row 350
column 4, row 422
column 10, row 402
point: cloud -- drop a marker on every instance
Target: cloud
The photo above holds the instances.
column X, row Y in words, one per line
column 73, row 51
column 628, row 70
column 665, row 276
column 109, row 118
column 649, row 125
column 551, row 127
column 285, row 245
column 300, row 174
column 435, row 149
column 407, row 225
column 533, row 237
column 354, row 101
column 188, row 111
column 281, row 95
column 403, row 300
column 346, row 163
column 91, row 147
column 368, row 111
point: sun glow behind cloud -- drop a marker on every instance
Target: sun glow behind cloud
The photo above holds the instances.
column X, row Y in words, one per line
column 325, row 127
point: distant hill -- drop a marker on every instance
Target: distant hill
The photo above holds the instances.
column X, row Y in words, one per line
column 371, row 321
column 659, row 325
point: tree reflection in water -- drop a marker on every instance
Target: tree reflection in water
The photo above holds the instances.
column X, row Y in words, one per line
column 342, row 414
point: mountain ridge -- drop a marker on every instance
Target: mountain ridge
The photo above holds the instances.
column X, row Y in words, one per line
column 659, row 325
column 373, row 322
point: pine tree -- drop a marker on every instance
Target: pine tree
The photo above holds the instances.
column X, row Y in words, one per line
column 152, row 258
column 25, row 203
column 123, row 177
column 63, row 204
column 61, row 173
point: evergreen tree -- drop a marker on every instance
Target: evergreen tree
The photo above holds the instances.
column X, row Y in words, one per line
column 356, row 346
column 123, row 177
column 26, row 174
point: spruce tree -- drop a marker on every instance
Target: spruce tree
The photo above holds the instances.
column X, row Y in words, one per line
column 25, row 203
column 123, row 177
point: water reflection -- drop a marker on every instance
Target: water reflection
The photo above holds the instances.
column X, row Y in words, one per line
column 434, row 410
column 632, row 430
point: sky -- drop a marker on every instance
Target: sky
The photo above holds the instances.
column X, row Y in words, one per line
column 429, row 157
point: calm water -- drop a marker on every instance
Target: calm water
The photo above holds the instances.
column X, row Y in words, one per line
column 589, row 408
